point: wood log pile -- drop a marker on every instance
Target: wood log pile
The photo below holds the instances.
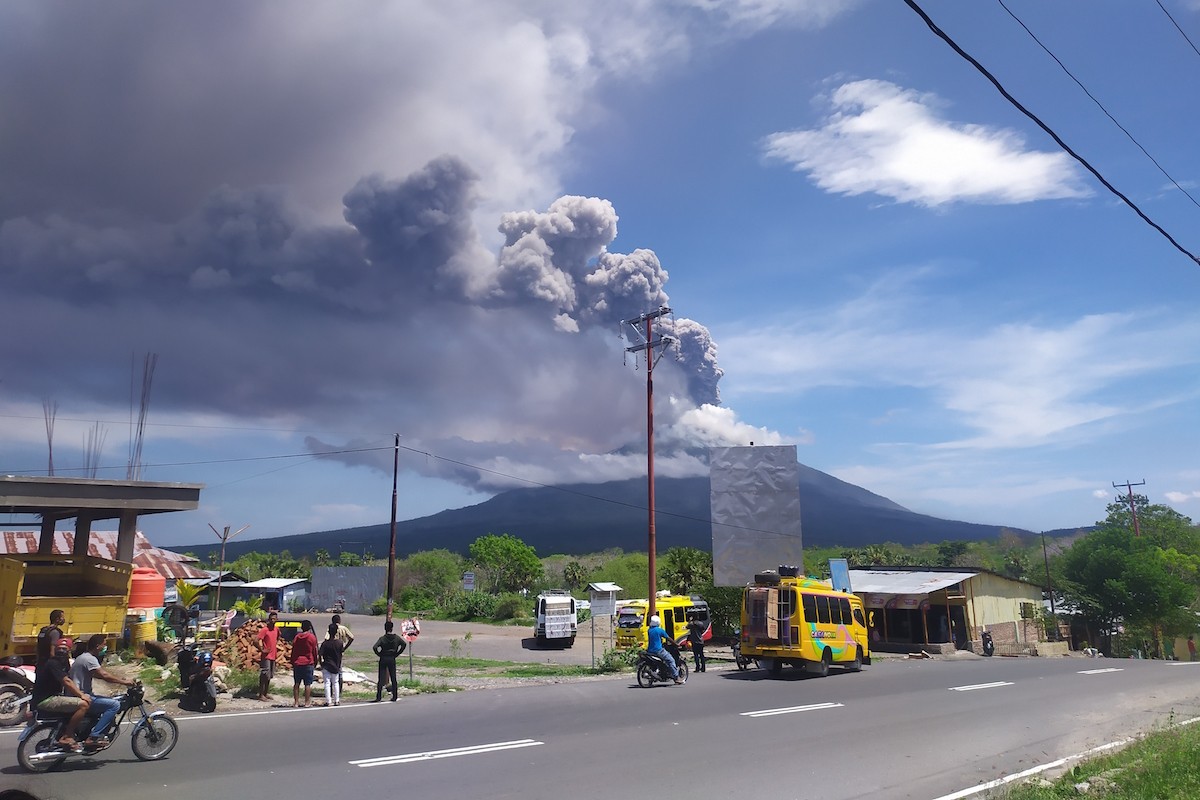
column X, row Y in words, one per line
column 240, row 651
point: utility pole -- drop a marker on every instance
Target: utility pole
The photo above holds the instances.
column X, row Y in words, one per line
column 392, row 546
column 1137, row 531
column 224, row 536
column 1050, row 589
column 653, row 349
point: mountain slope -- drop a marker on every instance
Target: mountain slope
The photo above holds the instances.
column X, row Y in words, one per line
column 582, row 519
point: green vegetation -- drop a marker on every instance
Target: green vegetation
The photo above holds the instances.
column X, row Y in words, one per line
column 1161, row 765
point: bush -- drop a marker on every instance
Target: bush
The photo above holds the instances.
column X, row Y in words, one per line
column 617, row 660
column 511, row 606
column 379, row 606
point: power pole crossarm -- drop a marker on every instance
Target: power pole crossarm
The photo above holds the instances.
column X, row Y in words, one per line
column 1137, row 531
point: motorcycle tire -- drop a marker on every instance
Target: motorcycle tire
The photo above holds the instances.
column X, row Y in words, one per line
column 645, row 676
column 40, row 740
column 155, row 739
column 11, row 711
column 208, row 704
column 683, row 671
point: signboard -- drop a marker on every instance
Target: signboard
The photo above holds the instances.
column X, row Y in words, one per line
column 468, row 581
column 755, row 509
column 839, row 574
column 410, row 629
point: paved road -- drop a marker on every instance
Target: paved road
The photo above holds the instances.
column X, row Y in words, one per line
column 900, row 729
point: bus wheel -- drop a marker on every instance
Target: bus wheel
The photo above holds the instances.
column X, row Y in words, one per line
column 821, row 668
column 856, row 664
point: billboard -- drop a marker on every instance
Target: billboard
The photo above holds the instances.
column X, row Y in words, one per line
column 755, row 509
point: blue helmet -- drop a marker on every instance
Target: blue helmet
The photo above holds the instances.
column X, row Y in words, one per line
column 205, row 658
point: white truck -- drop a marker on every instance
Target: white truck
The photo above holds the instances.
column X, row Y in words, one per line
column 556, row 618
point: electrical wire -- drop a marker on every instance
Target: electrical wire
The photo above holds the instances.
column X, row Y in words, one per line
column 1176, row 24
column 1048, row 130
column 1099, row 105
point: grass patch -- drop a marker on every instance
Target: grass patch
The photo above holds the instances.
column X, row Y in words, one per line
column 463, row 662
column 546, row 671
column 1163, row 764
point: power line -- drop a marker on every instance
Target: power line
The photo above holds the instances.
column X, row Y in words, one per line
column 1176, row 24
column 1099, row 105
column 1048, row 130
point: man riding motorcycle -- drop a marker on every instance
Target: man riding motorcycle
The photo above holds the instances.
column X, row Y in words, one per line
column 654, row 646
column 87, row 665
column 55, row 691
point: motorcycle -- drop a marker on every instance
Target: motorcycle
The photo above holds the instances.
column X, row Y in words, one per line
column 652, row 668
column 16, row 688
column 199, row 687
column 743, row 662
column 152, row 738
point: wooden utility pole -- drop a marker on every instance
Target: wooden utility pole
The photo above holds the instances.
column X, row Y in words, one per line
column 1137, row 531
column 392, row 546
column 653, row 349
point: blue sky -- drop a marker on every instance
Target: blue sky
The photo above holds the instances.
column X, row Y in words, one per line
column 336, row 222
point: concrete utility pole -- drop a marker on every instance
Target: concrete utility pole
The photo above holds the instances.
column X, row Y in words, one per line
column 224, row 537
column 653, row 349
column 392, row 546
column 1137, row 531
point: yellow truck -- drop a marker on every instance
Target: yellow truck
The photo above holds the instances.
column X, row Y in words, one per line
column 790, row 619
column 92, row 592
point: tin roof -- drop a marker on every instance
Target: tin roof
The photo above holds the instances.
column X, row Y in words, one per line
column 879, row 581
column 103, row 544
column 273, row 583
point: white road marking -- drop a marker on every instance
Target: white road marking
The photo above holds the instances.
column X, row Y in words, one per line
column 408, row 758
column 980, row 686
column 770, row 712
column 1183, row 663
column 1099, row 671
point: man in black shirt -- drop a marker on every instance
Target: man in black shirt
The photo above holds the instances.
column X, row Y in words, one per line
column 50, row 634
column 54, row 691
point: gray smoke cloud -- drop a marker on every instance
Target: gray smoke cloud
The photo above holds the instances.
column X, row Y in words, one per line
column 400, row 319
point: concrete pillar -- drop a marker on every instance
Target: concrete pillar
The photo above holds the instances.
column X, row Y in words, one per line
column 46, row 537
column 83, row 534
column 126, row 536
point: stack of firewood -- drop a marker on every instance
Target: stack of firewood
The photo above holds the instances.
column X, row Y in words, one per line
column 240, row 651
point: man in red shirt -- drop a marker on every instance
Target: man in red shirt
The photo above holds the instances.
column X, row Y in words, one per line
column 304, row 661
column 268, row 645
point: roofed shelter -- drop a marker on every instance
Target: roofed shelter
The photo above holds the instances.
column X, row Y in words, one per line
column 87, row 500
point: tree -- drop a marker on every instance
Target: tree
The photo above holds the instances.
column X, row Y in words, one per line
column 321, row 557
column 435, row 572
column 1114, row 576
column 510, row 564
column 685, row 569
column 575, row 575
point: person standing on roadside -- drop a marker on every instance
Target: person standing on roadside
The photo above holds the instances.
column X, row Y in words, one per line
column 331, row 666
column 388, row 647
column 696, row 630
column 268, row 647
column 304, row 662
column 48, row 635
column 345, row 637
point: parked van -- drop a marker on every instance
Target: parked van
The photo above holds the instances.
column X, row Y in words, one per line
column 556, row 618
column 672, row 609
column 790, row 619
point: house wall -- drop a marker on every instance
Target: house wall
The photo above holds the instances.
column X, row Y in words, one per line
column 996, row 607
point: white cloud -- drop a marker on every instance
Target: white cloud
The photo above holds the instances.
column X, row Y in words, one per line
column 1012, row 385
column 886, row 140
column 1181, row 497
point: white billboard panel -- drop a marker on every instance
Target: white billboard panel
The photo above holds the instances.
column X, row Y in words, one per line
column 755, row 508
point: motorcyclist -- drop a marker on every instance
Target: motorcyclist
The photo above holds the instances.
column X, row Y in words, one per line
column 54, row 691
column 87, row 665
column 654, row 646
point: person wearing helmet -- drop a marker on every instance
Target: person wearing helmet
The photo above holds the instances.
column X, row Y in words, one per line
column 654, row 646
column 86, row 666
column 55, row 692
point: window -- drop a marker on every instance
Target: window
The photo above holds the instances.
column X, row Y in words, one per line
column 787, row 604
column 823, row 609
column 845, row 604
column 858, row 617
column 810, row 608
